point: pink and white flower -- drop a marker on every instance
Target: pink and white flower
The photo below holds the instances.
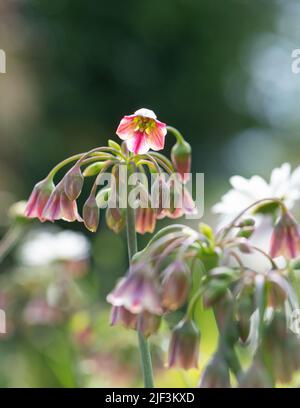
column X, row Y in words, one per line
column 38, row 199
column 142, row 131
column 60, row 207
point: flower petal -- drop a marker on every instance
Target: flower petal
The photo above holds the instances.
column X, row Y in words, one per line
column 146, row 113
column 138, row 143
column 126, row 127
column 156, row 136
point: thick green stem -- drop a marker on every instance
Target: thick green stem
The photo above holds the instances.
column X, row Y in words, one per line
column 143, row 342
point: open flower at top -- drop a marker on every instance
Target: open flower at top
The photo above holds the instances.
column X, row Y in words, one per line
column 142, row 131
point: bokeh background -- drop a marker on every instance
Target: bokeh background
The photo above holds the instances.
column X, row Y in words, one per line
column 220, row 71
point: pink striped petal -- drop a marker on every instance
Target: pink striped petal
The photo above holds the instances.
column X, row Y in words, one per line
column 138, row 144
column 126, row 127
column 156, row 136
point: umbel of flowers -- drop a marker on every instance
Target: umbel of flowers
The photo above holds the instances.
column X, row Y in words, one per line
column 140, row 132
column 180, row 267
column 143, row 136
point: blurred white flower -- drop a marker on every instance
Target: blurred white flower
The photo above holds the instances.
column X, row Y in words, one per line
column 45, row 246
column 284, row 184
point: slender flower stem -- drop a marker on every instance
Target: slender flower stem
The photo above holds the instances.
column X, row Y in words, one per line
column 164, row 159
column 176, row 133
column 143, row 342
column 81, row 157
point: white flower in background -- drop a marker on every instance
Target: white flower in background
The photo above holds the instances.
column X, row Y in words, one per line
column 284, row 184
column 45, row 246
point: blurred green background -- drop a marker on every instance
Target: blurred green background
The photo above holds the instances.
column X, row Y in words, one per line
column 220, row 71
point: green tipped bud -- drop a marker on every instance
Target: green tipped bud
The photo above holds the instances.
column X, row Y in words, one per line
column 248, row 222
column 73, row 183
column 93, row 169
column 175, row 285
column 114, row 145
column 115, row 219
column 246, row 232
column 245, row 309
column 207, row 231
column 216, row 374
column 91, row 214
column 181, row 158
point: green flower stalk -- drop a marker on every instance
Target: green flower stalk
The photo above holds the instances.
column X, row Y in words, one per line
column 136, row 299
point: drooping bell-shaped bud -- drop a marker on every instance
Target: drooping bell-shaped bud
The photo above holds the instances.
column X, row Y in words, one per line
column 137, row 292
column 103, row 197
column 60, row 207
column 280, row 349
column 278, row 290
column 247, row 222
column 216, row 374
column 115, row 219
column 256, row 376
column 120, row 315
column 181, row 157
column 184, row 345
column 73, row 183
column 180, row 201
column 38, row 199
column 285, row 239
column 145, row 220
column 175, row 208
column 159, row 194
column 175, row 285
column 214, row 290
column 91, row 214
column 148, row 323
column 246, row 232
